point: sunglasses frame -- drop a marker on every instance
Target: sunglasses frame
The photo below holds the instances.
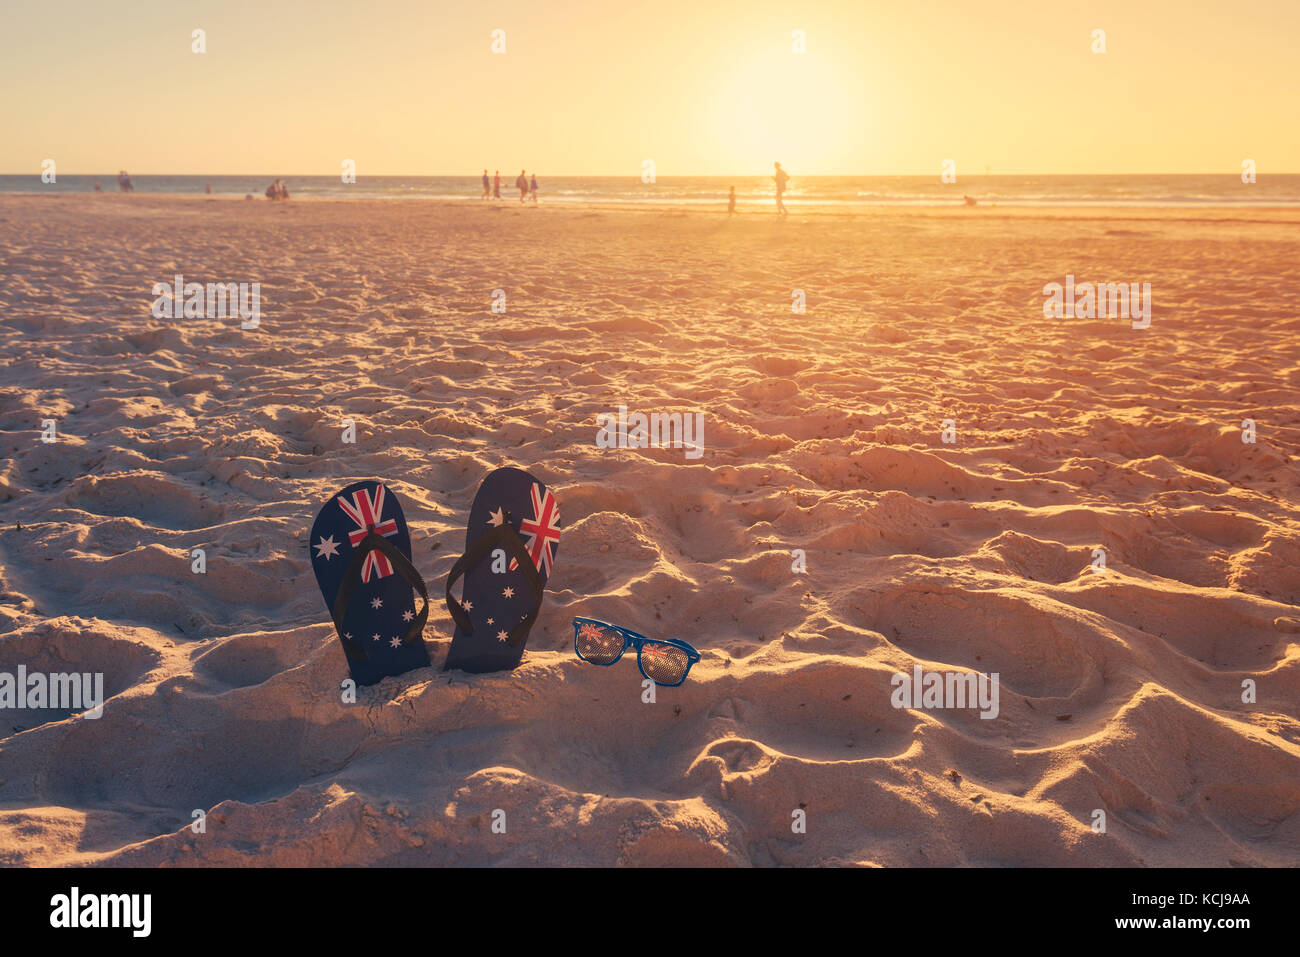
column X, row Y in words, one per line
column 637, row 641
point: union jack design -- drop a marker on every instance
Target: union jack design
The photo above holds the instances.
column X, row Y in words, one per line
column 542, row 530
column 367, row 512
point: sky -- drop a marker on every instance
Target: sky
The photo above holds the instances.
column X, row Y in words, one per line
column 701, row 87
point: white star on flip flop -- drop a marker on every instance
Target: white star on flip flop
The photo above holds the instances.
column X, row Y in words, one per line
column 407, row 615
column 492, row 621
column 508, row 593
column 327, row 548
column 497, row 518
column 396, row 642
column 501, row 636
column 469, row 606
column 376, row 603
column 376, row 636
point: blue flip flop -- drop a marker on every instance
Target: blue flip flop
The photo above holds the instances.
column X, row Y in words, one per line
column 363, row 565
column 510, row 546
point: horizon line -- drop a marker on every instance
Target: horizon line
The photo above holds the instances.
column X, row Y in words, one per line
column 1232, row 173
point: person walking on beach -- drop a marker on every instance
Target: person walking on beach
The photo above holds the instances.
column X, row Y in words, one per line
column 521, row 184
column 124, row 182
column 781, row 177
column 532, row 189
column 496, row 185
column 487, row 188
column 731, row 201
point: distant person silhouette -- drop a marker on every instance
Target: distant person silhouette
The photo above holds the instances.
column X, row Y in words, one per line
column 124, row 182
column 781, row 177
column 496, row 185
column 521, row 184
column 487, row 188
column 532, row 189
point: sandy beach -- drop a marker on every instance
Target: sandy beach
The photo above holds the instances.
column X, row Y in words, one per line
column 827, row 537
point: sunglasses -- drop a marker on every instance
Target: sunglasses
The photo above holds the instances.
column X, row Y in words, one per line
column 665, row 661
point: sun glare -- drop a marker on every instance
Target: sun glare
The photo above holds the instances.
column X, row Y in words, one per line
column 787, row 107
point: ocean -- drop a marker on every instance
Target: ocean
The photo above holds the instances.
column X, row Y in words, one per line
column 1189, row 190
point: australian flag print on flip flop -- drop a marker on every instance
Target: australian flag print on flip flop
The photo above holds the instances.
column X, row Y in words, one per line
column 510, row 547
column 361, row 553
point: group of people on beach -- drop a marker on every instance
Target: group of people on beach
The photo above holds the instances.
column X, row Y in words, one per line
column 527, row 188
column 124, row 183
column 492, row 188
column 781, row 177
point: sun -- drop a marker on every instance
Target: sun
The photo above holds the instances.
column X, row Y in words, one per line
column 779, row 106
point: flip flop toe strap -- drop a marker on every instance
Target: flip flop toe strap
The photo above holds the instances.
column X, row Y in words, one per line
column 503, row 535
column 352, row 576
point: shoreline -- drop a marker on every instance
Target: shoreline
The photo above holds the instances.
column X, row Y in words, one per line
column 1167, row 214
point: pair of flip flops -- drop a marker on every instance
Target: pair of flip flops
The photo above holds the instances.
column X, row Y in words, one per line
column 379, row 603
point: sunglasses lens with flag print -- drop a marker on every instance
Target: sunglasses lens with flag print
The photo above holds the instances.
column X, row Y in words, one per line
column 664, row 661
